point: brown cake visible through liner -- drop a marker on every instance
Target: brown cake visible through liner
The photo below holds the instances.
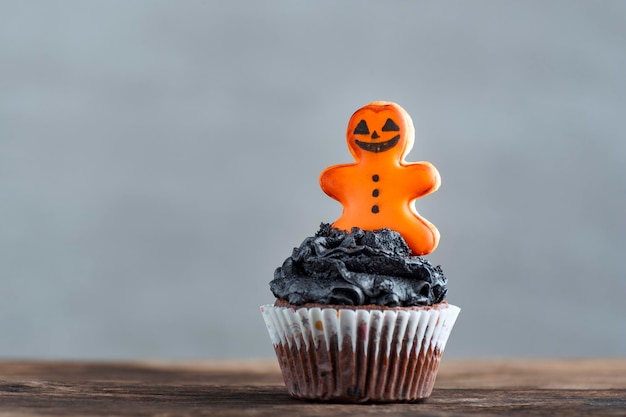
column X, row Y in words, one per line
column 337, row 373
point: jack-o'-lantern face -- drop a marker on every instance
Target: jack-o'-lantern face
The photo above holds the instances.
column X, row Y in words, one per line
column 380, row 129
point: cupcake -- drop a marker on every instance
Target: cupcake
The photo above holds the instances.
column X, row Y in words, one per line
column 360, row 315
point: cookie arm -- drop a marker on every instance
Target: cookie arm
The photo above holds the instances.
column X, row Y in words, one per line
column 425, row 179
column 333, row 181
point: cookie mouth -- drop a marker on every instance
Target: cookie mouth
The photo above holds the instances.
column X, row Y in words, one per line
column 377, row 147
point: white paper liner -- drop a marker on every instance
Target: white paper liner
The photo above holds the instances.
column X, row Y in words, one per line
column 359, row 355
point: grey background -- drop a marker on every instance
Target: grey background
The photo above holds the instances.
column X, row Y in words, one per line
column 159, row 159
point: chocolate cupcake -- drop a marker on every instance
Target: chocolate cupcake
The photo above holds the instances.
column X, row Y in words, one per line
column 360, row 315
column 358, row 318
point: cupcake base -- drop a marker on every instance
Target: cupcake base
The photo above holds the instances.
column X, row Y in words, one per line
column 359, row 354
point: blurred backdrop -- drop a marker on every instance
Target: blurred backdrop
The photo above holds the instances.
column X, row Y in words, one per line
column 159, row 159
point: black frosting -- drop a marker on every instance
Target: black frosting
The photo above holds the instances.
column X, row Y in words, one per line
column 358, row 268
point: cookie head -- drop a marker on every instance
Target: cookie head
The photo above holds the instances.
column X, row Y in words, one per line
column 380, row 129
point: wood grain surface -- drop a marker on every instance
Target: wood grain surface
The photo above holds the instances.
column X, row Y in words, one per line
column 464, row 388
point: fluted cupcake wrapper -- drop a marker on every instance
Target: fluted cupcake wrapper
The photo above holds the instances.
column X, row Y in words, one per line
column 359, row 355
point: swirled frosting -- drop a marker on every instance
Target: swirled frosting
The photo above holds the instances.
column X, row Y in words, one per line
column 358, row 268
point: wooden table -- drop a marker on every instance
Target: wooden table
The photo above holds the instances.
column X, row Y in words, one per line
column 464, row 387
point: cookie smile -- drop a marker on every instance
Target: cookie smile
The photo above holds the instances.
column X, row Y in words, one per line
column 378, row 146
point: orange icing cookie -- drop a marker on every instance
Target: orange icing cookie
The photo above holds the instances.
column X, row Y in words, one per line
column 379, row 189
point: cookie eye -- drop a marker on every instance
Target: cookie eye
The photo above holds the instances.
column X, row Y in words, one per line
column 361, row 128
column 390, row 126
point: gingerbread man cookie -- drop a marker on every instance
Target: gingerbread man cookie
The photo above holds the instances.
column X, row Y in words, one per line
column 379, row 189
